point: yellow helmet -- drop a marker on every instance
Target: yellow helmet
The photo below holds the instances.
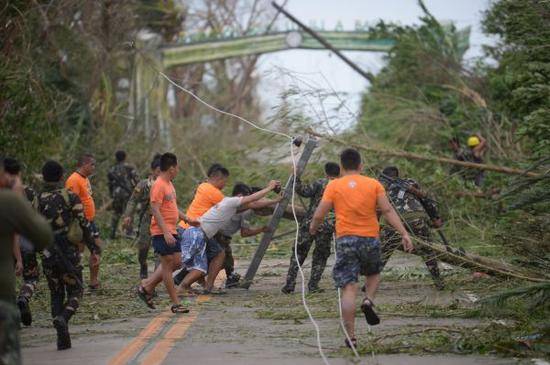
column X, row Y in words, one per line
column 473, row 141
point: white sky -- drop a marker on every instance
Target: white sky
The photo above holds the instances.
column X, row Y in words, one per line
column 317, row 64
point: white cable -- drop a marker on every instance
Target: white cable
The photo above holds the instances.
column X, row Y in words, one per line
column 189, row 92
column 317, row 331
column 304, row 302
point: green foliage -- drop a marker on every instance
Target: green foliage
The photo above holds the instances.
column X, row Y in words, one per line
column 520, row 84
column 538, row 295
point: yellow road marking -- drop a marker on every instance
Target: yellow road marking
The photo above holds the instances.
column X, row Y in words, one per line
column 160, row 351
column 130, row 350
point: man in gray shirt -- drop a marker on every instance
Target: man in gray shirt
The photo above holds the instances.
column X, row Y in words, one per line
column 193, row 243
column 239, row 222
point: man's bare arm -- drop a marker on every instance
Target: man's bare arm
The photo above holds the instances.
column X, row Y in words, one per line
column 479, row 150
column 249, row 232
column 155, row 209
column 264, row 202
column 259, row 195
column 186, row 219
column 17, row 256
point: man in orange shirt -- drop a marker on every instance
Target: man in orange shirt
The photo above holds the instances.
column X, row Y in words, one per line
column 208, row 194
column 355, row 200
column 164, row 235
column 79, row 184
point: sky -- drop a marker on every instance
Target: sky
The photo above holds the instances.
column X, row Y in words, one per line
column 326, row 70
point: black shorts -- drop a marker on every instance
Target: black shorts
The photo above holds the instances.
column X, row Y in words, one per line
column 164, row 249
column 213, row 249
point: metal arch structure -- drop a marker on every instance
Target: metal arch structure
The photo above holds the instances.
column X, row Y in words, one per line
column 148, row 93
column 206, row 51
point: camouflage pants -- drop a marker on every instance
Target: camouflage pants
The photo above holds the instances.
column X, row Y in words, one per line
column 391, row 240
column 229, row 262
column 118, row 206
column 10, row 351
column 321, row 253
column 64, row 283
column 30, row 273
column 144, row 242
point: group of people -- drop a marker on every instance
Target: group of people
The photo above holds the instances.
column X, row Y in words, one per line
column 55, row 221
column 59, row 222
column 197, row 241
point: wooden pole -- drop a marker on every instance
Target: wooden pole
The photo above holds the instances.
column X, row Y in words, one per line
column 444, row 160
column 325, row 43
column 278, row 214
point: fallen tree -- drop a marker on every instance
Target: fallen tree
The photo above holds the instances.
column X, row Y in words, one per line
column 458, row 257
column 415, row 156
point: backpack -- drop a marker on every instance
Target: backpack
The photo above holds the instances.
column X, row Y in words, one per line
column 74, row 233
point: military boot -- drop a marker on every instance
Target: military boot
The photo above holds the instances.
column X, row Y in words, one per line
column 143, row 271
column 63, row 336
column 25, row 310
column 287, row 289
column 439, row 284
column 232, row 280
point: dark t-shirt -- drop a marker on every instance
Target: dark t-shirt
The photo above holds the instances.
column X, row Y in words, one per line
column 17, row 216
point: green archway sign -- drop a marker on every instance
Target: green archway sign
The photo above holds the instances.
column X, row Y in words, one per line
column 206, row 51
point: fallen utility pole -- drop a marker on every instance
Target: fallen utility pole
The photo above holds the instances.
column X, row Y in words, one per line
column 444, row 160
column 325, row 43
column 278, row 214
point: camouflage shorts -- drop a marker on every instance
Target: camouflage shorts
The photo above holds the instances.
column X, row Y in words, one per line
column 354, row 256
column 10, row 352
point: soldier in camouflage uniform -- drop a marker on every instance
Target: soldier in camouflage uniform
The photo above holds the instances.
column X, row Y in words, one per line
column 28, row 254
column 122, row 180
column 61, row 261
column 30, row 270
column 415, row 212
column 139, row 204
column 322, row 239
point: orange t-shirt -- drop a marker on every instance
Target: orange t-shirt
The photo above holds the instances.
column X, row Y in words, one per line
column 164, row 193
column 354, row 200
column 206, row 197
column 80, row 185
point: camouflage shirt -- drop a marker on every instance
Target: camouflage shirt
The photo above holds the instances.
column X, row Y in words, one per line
column 139, row 201
column 60, row 207
column 122, row 178
column 406, row 203
column 30, row 194
column 314, row 192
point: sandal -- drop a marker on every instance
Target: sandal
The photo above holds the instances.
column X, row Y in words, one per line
column 370, row 315
column 178, row 308
column 147, row 298
column 353, row 342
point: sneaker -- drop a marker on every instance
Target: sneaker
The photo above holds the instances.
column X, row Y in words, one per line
column 316, row 290
column 232, row 280
column 63, row 336
column 26, row 315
